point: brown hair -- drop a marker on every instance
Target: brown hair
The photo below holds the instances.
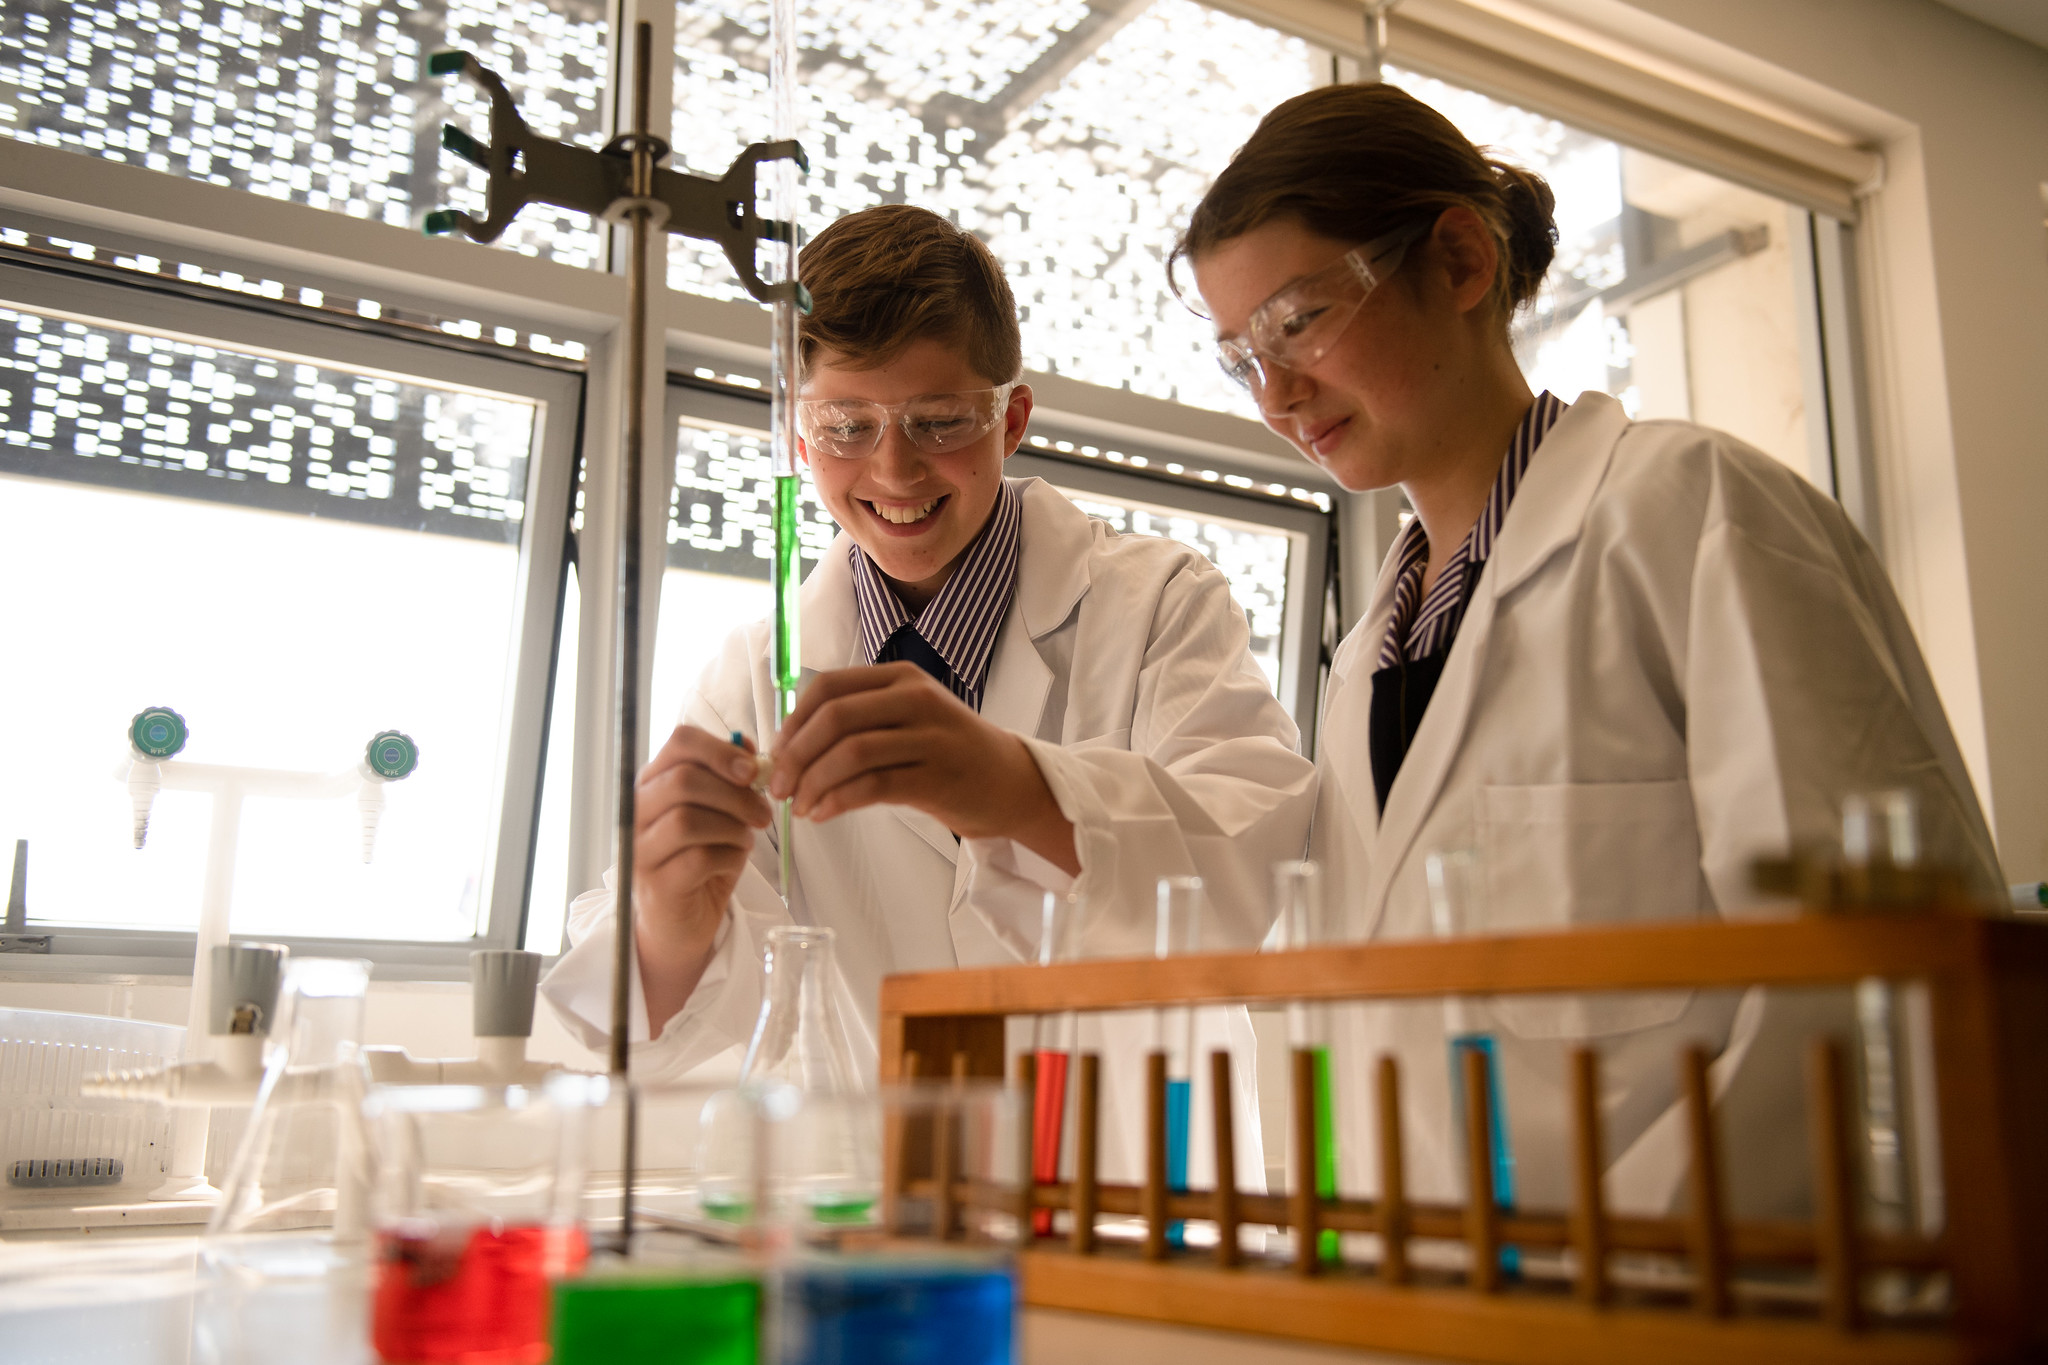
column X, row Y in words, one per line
column 894, row 274
column 1352, row 162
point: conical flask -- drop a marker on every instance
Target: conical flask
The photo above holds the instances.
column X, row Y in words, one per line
column 800, row 1038
column 825, row 1167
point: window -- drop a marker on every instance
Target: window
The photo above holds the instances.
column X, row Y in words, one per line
column 296, row 539
column 1674, row 290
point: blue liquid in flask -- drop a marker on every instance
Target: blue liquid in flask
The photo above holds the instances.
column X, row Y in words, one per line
column 887, row 1312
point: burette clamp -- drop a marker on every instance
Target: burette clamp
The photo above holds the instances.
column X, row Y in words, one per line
column 521, row 167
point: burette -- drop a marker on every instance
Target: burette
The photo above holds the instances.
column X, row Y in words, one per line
column 786, row 569
column 625, row 183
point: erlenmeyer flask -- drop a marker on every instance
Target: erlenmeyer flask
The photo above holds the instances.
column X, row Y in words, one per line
column 828, row 1169
column 283, row 1261
column 799, row 1037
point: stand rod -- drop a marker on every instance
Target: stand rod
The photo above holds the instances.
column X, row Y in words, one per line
column 627, row 657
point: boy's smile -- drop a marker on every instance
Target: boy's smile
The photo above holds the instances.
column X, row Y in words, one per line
column 913, row 512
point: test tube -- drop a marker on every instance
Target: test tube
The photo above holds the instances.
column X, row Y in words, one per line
column 1305, row 922
column 1456, row 881
column 1054, row 1038
column 1182, row 904
column 786, row 568
column 1881, row 837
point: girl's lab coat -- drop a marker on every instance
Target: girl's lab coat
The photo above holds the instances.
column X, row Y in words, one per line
column 1123, row 663
column 1679, row 656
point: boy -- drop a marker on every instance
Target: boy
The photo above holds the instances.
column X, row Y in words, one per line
column 1002, row 696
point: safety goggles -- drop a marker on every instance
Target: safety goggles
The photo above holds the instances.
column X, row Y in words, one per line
column 938, row 423
column 1298, row 325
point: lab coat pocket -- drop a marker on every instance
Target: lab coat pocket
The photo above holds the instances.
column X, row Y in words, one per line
column 1588, row 853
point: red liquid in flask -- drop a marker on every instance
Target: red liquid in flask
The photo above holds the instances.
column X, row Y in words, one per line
column 469, row 1295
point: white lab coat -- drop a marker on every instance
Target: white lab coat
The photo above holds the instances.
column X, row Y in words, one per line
column 1679, row 656
column 1123, row 663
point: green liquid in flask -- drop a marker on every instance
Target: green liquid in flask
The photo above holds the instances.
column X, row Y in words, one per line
column 705, row 1320
column 837, row 1209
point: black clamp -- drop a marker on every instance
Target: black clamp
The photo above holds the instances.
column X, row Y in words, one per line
column 525, row 168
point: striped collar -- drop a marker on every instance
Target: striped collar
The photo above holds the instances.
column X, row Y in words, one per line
column 960, row 623
column 1422, row 626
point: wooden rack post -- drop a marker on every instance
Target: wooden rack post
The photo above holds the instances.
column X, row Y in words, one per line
column 1222, row 1095
column 1834, row 1184
column 1154, row 1208
column 1087, row 1134
column 1307, row 1227
column 1393, row 1218
column 1709, row 1242
column 1027, row 1132
column 1589, row 1217
column 1482, row 1216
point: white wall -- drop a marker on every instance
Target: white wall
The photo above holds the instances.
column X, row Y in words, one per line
column 1956, row 292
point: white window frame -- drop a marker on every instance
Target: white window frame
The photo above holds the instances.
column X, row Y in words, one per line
column 77, row 296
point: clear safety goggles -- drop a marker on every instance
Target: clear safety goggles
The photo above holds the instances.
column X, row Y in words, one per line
column 1297, row 326
column 938, row 423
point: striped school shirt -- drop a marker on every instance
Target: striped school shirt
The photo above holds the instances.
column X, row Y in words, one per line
column 960, row 623
column 1421, row 625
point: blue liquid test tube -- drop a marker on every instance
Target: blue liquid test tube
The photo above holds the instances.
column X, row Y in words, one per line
column 1178, row 930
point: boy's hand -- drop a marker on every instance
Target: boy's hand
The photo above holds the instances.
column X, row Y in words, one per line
column 893, row 734
column 695, row 813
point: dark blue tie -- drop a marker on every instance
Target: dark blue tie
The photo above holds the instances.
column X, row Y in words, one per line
column 906, row 644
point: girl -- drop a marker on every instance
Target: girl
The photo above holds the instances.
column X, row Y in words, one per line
column 1606, row 665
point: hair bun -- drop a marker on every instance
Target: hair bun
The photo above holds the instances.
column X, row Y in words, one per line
column 1531, row 229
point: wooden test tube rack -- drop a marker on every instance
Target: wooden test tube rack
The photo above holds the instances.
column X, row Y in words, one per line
column 1987, row 989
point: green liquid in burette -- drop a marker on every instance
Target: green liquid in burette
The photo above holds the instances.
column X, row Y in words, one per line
column 788, row 576
column 788, row 571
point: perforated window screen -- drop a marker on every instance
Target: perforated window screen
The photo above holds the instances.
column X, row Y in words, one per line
column 1253, row 558
column 99, row 405
column 321, row 104
column 721, row 508
column 1073, row 136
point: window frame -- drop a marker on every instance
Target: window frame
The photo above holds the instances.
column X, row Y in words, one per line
column 542, row 545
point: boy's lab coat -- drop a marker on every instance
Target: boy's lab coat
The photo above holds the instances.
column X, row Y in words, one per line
column 1123, row 663
column 1679, row 656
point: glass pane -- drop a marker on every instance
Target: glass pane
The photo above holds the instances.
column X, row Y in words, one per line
column 1252, row 557
column 1673, row 289
column 720, row 543
column 1072, row 137
column 292, row 555
column 330, row 106
column 549, row 891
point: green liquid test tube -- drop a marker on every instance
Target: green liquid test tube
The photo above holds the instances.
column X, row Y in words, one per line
column 1327, row 1247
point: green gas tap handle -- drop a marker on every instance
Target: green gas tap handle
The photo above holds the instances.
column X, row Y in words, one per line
column 158, row 733
column 391, row 756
